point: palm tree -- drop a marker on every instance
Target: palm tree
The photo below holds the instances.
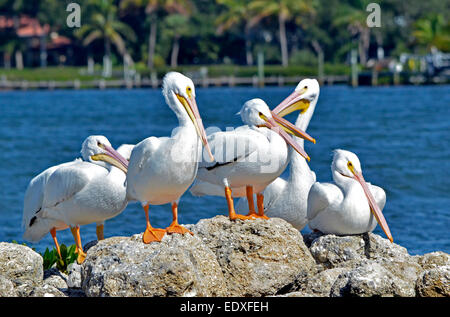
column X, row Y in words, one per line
column 284, row 10
column 433, row 31
column 152, row 8
column 237, row 12
column 354, row 17
column 176, row 27
column 104, row 25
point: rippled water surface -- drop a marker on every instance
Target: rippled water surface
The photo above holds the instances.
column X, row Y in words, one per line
column 401, row 135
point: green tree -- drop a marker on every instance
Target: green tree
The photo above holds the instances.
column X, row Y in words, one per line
column 237, row 13
column 176, row 26
column 104, row 25
column 433, row 31
column 353, row 17
column 153, row 10
column 285, row 11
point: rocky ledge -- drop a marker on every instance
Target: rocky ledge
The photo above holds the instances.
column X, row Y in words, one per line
column 224, row 258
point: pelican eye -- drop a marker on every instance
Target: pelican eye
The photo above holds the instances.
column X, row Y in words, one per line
column 350, row 166
column 306, row 87
column 189, row 91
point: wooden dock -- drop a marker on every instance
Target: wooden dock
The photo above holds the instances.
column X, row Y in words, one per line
column 225, row 81
column 363, row 79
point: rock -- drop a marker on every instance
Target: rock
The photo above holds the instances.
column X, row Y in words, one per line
column 332, row 251
column 433, row 260
column 7, row 287
column 296, row 294
column 257, row 257
column 55, row 278
column 20, row 264
column 180, row 265
column 46, row 290
column 368, row 279
column 434, row 282
column 74, row 275
column 321, row 283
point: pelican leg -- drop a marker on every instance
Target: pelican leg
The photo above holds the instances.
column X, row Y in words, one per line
column 99, row 231
column 151, row 234
column 251, row 203
column 53, row 233
column 231, row 212
column 260, row 204
column 76, row 235
column 175, row 227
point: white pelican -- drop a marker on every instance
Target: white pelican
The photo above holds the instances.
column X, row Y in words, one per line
column 283, row 198
column 162, row 169
column 261, row 157
column 77, row 193
column 352, row 206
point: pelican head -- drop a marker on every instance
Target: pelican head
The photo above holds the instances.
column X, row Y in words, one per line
column 347, row 164
column 179, row 92
column 306, row 92
column 98, row 150
column 255, row 112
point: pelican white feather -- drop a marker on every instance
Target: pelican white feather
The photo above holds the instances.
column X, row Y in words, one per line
column 350, row 206
column 287, row 198
column 247, row 158
column 162, row 169
column 76, row 193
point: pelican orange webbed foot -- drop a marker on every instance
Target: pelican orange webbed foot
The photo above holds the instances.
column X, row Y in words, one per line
column 231, row 212
column 79, row 248
column 251, row 205
column 175, row 227
column 151, row 234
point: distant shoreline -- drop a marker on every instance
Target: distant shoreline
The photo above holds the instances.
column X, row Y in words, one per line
column 364, row 79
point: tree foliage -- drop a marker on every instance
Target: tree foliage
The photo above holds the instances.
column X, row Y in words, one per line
column 211, row 31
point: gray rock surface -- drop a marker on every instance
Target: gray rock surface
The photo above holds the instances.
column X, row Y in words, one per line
column 20, row 264
column 257, row 257
column 332, row 251
column 7, row 287
column 434, row 282
column 369, row 279
column 74, row 275
column 232, row 258
column 180, row 265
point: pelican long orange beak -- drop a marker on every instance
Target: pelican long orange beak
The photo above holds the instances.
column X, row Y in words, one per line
column 112, row 157
column 273, row 124
column 292, row 129
column 376, row 211
column 293, row 102
column 190, row 105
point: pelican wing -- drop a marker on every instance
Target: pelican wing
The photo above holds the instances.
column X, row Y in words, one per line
column 67, row 181
column 232, row 146
column 34, row 194
column 322, row 195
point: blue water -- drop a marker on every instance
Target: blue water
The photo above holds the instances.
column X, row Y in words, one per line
column 401, row 135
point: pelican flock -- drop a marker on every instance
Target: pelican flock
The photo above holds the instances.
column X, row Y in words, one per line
column 239, row 163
